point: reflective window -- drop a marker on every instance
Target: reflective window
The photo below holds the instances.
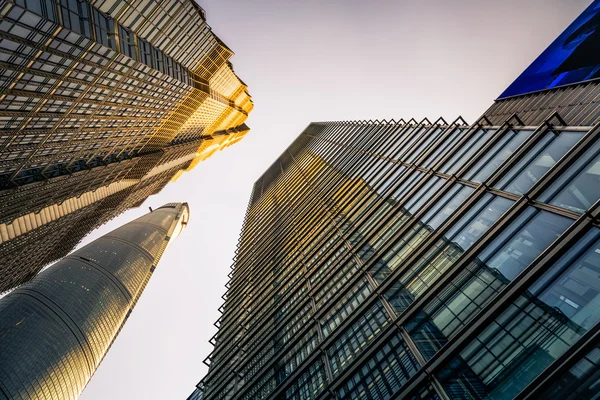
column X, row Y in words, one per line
column 466, row 151
column 354, row 340
column 533, row 331
column 490, row 161
column 104, row 28
column 420, row 231
column 75, row 15
column 424, row 194
column 543, row 156
column 159, row 62
column 579, row 186
column 444, row 146
column 580, row 382
column 309, row 384
column 383, row 374
column 446, row 251
column 145, row 52
column 45, row 8
column 480, row 282
column 127, row 42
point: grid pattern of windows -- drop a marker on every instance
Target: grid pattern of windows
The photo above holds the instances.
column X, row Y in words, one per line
column 95, row 98
column 57, row 328
column 399, row 237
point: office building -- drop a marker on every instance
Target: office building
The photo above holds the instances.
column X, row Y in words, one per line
column 427, row 259
column 102, row 103
column 57, row 328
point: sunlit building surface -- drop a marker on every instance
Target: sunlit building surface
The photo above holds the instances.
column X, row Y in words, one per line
column 423, row 260
column 56, row 329
column 102, row 103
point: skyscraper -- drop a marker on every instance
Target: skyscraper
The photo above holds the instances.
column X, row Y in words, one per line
column 56, row 329
column 427, row 259
column 102, row 103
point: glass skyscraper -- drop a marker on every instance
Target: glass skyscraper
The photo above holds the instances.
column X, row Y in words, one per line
column 427, row 259
column 102, row 103
column 56, row 329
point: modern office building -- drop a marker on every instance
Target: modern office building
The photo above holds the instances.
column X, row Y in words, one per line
column 427, row 260
column 56, row 329
column 102, row 103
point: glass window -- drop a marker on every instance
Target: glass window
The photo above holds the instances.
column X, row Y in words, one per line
column 127, row 42
column 383, row 374
column 444, row 146
column 533, row 331
column 344, row 308
column 579, row 186
column 580, row 382
column 420, row 231
column 75, row 15
column 159, row 62
column 466, row 151
column 44, row 8
column 446, row 251
column 309, row 384
column 354, row 340
column 145, row 52
column 424, row 194
column 422, row 146
column 543, row 156
column 490, row 161
column 104, row 28
column 498, row 264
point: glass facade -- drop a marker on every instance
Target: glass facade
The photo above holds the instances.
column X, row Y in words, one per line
column 98, row 111
column 57, row 328
column 374, row 265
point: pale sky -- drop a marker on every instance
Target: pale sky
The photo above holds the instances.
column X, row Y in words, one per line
column 308, row 60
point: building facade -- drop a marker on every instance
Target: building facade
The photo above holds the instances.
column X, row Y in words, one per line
column 102, row 103
column 57, row 328
column 425, row 260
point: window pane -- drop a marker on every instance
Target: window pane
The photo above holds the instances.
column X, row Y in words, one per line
column 532, row 332
column 488, row 274
column 446, row 251
column 496, row 156
column 578, row 187
column 538, row 161
column 466, row 151
column 580, row 382
column 383, row 374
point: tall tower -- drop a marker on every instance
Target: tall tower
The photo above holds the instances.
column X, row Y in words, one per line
column 427, row 259
column 56, row 329
column 102, row 104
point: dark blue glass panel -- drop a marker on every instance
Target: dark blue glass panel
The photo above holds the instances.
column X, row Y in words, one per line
column 573, row 57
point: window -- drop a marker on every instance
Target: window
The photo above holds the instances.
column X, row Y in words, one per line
column 45, row 8
column 309, row 384
column 344, row 307
column 533, row 331
column 498, row 264
column 543, row 156
column 495, row 156
column 104, row 28
column 580, row 382
column 446, row 251
column 467, row 150
column 159, row 62
column 383, row 374
column 579, row 186
column 145, row 52
column 127, row 42
column 420, row 231
column 353, row 341
column 75, row 16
